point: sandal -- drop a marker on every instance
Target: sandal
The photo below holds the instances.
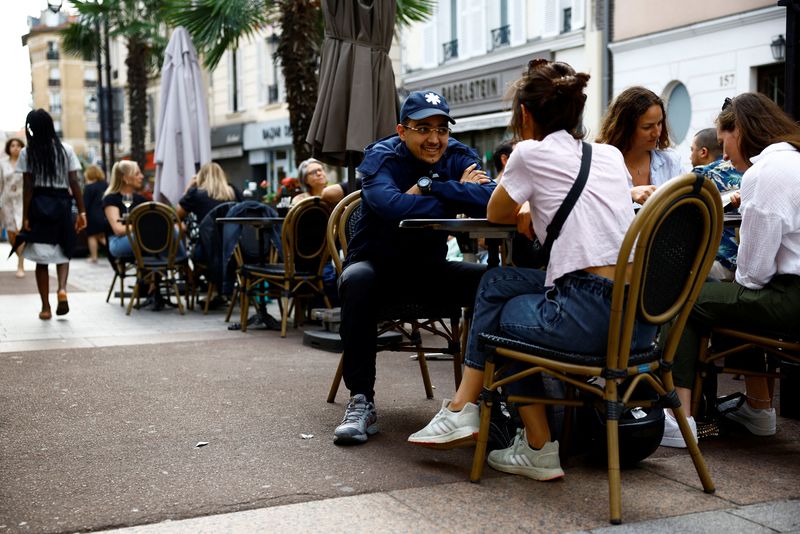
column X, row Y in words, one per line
column 63, row 304
column 45, row 315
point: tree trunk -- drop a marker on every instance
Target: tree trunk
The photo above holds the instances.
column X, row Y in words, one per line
column 298, row 50
column 137, row 97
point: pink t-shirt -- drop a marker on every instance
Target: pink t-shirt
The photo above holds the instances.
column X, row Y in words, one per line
column 542, row 172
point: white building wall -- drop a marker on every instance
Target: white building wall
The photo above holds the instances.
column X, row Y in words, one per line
column 714, row 60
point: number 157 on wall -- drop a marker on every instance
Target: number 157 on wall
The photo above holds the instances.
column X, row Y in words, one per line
column 727, row 80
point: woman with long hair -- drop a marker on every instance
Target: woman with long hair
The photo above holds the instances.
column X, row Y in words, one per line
column 576, row 287
column 636, row 123
column 50, row 184
column 207, row 190
column 93, row 191
column 120, row 198
column 11, row 195
column 762, row 141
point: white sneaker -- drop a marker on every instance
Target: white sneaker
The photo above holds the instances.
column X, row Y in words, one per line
column 449, row 429
column 760, row 422
column 672, row 433
column 521, row 459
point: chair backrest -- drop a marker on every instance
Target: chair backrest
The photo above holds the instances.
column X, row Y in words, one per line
column 304, row 237
column 152, row 230
column 674, row 239
column 340, row 227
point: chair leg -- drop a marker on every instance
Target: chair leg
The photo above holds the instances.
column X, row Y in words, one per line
column 284, row 311
column 111, row 289
column 211, row 289
column 177, row 295
column 614, row 483
column 337, row 380
column 244, row 307
column 134, row 296
column 694, row 450
column 122, row 291
column 458, row 355
column 487, row 399
column 426, row 377
column 234, row 296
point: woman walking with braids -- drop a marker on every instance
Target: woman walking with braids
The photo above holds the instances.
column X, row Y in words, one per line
column 49, row 174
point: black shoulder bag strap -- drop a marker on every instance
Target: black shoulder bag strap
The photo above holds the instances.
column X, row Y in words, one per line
column 554, row 228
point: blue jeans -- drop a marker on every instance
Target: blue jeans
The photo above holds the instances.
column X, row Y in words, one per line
column 120, row 247
column 571, row 316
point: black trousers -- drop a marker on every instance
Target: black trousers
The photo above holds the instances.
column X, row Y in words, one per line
column 364, row 285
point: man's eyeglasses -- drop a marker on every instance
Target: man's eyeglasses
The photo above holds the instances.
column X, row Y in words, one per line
column 728, row 103
column 426, row 130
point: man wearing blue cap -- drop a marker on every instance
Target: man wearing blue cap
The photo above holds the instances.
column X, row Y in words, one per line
column 419, row 173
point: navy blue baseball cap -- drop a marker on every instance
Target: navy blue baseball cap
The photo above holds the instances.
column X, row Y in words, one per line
column 423, row 104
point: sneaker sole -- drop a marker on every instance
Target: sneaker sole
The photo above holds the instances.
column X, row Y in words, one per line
column 756, row 431
column 464, row 441
column 536, row 473
column 675, row 443
column 356, row 439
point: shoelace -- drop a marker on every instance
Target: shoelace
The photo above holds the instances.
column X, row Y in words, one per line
column 518, row 440
column 354, row 412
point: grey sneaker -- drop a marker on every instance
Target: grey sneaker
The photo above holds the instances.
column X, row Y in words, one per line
column 360, row 421
column 521, row 459
column 760, row 422
column 449, row 429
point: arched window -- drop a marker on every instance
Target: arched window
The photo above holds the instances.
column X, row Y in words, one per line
column 679, row 111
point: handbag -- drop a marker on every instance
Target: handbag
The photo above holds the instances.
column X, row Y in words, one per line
column 532, row 254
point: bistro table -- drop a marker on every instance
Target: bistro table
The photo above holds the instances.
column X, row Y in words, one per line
column 494, row 233
column 261, row 224
column 731, row 219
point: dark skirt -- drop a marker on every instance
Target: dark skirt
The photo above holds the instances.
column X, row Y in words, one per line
column 50, row 220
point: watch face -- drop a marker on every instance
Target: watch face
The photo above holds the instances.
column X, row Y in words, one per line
column 424, row 182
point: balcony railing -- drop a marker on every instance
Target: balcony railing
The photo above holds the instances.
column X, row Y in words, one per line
column 54, row 82
column 449, row 50
column 272, row 93
column 501, row 36
column 90, row 83
column 52, row 54
column 92, row 135
column 55, row 109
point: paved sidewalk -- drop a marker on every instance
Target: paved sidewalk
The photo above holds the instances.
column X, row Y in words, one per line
column 100, row 415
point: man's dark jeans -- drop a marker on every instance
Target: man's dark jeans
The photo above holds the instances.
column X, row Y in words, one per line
column 364, row 285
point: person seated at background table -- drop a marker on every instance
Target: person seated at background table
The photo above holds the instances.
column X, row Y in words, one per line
column 312, row 176
column 421, row 172
column 93, row 192
column 126, row 179
column 566, row 307
column 636, row 124
column 207, row 190
column 763, row 142
column 707, row 161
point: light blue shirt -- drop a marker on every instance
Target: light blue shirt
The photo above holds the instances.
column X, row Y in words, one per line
column 664, row 164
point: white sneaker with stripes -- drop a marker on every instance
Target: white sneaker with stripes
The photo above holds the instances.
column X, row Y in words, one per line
column 521, row 459
column 449, row 429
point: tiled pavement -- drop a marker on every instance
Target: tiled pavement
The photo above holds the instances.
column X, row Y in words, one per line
column 100, row 412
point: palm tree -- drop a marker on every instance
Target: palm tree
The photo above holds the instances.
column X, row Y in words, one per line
column 138, row 23
column 218, row 25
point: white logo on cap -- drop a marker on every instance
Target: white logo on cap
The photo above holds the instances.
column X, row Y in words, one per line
column 433, row 98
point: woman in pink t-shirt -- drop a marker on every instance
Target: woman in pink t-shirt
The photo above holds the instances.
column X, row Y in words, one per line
column 566, row 307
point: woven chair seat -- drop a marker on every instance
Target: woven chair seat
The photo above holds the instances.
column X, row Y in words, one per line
column 599, row 360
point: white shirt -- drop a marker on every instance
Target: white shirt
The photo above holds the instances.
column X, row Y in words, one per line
column 543, row 172
column 769, row 239
column 61, row 179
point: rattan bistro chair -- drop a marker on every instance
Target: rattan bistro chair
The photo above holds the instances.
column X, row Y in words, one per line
column 406, row 318
column 122, row 268
column 779, row 349
column 299, row 277
column 674, row 239
column 154, row 233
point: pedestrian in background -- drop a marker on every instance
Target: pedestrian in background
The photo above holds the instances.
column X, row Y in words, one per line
column 50, row 183
column 11, row 195
column 93, row 191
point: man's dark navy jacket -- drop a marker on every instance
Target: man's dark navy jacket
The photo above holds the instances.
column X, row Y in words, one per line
column 388, row 171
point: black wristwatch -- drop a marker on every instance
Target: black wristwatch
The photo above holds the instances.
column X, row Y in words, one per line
column 424, row 185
